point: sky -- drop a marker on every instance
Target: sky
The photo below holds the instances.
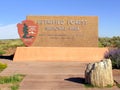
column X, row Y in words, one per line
column 15, row 11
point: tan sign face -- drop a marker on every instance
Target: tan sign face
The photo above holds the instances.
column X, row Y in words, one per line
column 27, row 31
column 66, row 31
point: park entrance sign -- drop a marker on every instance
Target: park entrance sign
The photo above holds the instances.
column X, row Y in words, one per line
column 66, row 31
column 59, row 38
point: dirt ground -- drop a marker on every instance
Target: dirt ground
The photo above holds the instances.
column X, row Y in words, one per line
column 52, row 75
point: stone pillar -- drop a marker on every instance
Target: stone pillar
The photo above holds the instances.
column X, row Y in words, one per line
column 99, row 74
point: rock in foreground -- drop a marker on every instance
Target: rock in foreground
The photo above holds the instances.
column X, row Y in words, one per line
column 99, row 74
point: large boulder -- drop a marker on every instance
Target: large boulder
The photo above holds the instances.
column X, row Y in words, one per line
column 99, row 74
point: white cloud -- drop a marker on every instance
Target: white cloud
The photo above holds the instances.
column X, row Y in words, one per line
column 8, row 31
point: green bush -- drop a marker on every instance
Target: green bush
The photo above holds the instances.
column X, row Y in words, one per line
column 114, row 55
column 2, row 66
column 11, row 79
column 15, row 87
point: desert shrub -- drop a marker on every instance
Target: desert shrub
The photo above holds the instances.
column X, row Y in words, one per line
column 114, row 55
column 2, row 52
column 104, row 42
column 5, row 45
column 109, row 42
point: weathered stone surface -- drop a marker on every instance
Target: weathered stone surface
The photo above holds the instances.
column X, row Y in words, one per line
column 99, row 74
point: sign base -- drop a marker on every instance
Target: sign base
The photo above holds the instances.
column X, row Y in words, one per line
column 82, row 54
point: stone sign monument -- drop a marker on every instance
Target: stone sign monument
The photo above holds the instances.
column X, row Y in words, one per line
column 66, row 31
column 59, row 38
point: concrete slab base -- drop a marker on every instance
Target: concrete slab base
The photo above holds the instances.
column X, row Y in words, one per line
column 83, row 54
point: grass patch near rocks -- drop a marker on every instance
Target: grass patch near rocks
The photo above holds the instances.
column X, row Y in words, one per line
column 92, row 86
column 12, row 82
column 108, row 86
column 117, row 84
column 89, row 86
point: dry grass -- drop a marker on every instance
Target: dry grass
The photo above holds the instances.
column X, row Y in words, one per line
column 8, row 47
